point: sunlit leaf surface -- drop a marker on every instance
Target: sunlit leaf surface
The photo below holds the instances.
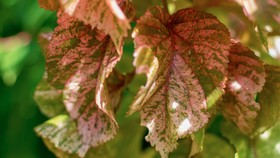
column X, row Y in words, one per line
column 111, row 16
column 61, row 132
column 79, row 59
column 188, row 74
column 245, row 79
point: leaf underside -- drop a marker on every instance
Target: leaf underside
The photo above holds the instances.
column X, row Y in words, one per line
column 49, row 99
column 245, row 79
column 61, row 132
column 78, row 60
column 187, row 75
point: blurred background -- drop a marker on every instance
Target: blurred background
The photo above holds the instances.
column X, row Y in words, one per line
column 21, row 68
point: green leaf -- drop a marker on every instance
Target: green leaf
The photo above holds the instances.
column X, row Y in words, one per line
column 268, row 144
column 49, row 99
column 262, row 146
column 240, row 141
column 127, row 143
column 269, row 100
column 215, row 147
column 197, row 142
column 262, row 34
column 245, row 79
column 14, row 50
column 183, row 149
column 188, row 74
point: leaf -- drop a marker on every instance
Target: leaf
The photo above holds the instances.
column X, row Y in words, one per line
column 269, row 100
column 236, row 138
column 61, row 136
column 127, row 143
column 191, row 49
column 79, row 59
column 183, row 149
column 262, row 35
column 264, row 13
column 49, row 4
column 57, row 152
column 245, row 79
column 44, row 40
column 61, row 132
column 265, row 145
column 197, row 142
column 117, row 82
column 214, row 146
column 144, row 60
column 111, row 16
column 49, row 99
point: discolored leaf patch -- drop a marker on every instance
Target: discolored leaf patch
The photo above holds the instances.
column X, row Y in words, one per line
column 79, row 59
column 61, row 132
column 49, row 99
column 245, row 79
column 111, row 16
column 49, row 4
column 187, row 75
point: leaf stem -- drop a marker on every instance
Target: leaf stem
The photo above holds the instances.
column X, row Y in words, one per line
column 253, row 147
column 165, row 6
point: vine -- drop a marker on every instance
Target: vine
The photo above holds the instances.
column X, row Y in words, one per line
column 195, row 70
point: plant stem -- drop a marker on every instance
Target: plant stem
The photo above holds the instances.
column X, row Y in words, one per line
column 164, row 3
column 253, row 147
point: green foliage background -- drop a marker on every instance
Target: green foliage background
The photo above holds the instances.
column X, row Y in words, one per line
column 21, row 68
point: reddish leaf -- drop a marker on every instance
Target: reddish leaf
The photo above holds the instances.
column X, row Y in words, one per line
column 49, row 4
column 79, row 59
column 106, row 15
column 246, row 79
column 191, row 49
